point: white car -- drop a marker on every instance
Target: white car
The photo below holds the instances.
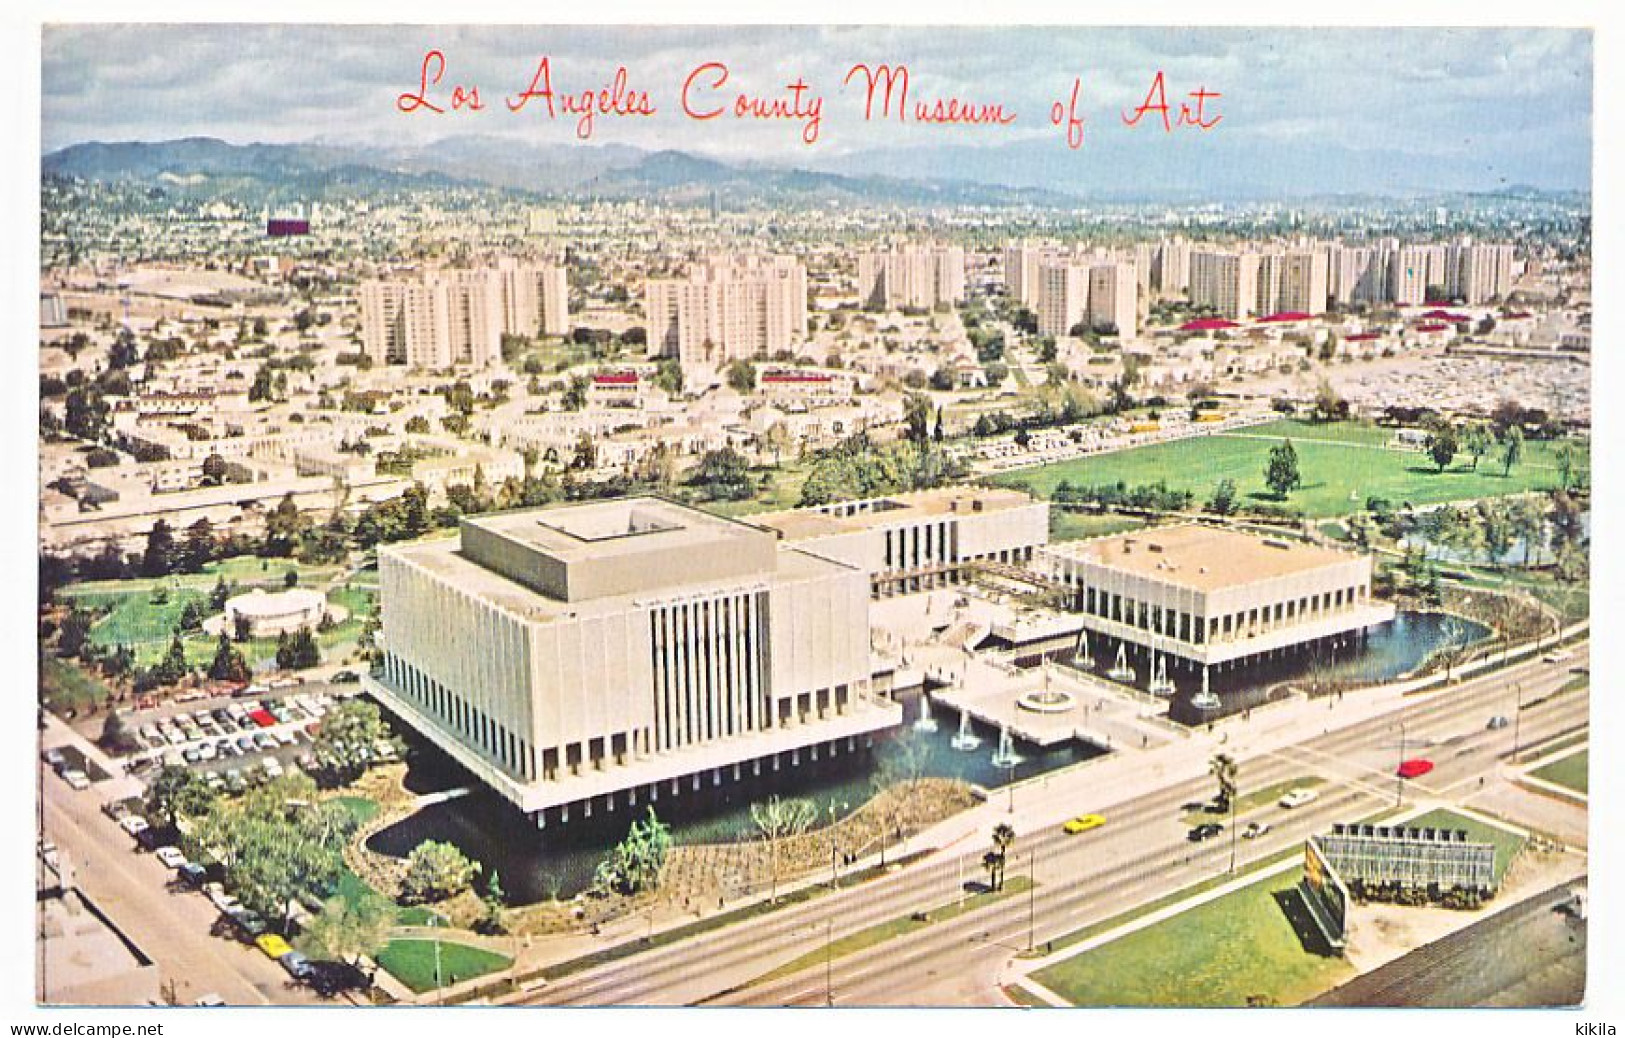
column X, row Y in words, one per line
column 1298, row 798
column 76, row 779
column 273, row 768
column 135, row 825
column 170, row 856
column 211, row 999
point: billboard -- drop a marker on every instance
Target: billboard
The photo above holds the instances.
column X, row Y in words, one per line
column 1325, row 895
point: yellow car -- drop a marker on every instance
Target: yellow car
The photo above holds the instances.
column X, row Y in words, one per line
column 272, row 945
column 1083, row 823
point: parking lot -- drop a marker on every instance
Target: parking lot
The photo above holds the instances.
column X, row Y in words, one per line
column 235, row 741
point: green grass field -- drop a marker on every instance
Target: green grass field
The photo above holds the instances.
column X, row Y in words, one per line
column 1342, row 465
column 1572, row 772
column 133, row 618
column 1072, row 526
column 412, row 962
column 1238, row 947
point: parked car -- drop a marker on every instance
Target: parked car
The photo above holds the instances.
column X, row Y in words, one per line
column 75, row 778
column 191, row 874
column 298, row 967
column 273, row 768
column 1298, row 798
column 54, row 758
column 211, row 999
column 1205, row 831
column 135, row 825
column 273, row 945
column 1255, row 829
column 170, row 856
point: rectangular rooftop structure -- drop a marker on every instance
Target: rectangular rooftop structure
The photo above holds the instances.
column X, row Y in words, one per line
column 916, row 541
column 1203, row 558
column 615, row 548
column 1209, row 594
column 599, row 653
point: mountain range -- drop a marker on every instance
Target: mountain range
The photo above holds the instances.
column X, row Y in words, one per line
column 1037, row 173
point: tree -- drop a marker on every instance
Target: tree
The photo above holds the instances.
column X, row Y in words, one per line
column 298, row 651
column 74, row 633
column 774, row 820
column 1529, row 521
column 176, row 793
column 1511, row 449
column 574, row 397
column 275, row 844
column 1282, row 475
column 1329, row 407
column 436, row 871
column 1495, row 525
column 741, row 376
column 228, row 663
column 1004, row 836
column 586, row 455
column 1567, row 462
column 917, row 417
column 160, row 555
column 634, row 865
column 724, row 475
column 347, row 739
column 284, row 528
column 349, row 929
column 86, row 414
column 494, row 901
column 669, row 375
column 1223, row 501
column 1477, row 441
column 116, row 734
column 1223, row 769
column 1442, row 447
column 198, row 549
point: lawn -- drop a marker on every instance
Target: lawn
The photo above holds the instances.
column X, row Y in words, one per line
column 412, row 962
column 134, row 619
column 1570, row 772
column 1072, row 526
column 1238, row 947
column 1342, row 464
column 780, row 488
column 1507, row 843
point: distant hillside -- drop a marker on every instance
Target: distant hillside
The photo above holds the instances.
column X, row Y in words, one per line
column 206, row 167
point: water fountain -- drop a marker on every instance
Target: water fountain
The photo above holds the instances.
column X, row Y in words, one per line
column 1205, row 700
column 1160, row 685
column 1083, row 656
column 1121, row 671
column 1005, row 756
column 965, row 739
column 926, row 722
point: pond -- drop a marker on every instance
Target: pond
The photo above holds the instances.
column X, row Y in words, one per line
column 1388, row 651
column 535, row 864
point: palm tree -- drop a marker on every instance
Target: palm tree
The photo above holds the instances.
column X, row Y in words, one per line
column 1223, row 768
column 1003, row 837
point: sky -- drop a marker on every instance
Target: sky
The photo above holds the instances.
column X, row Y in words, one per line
column 1459, row 107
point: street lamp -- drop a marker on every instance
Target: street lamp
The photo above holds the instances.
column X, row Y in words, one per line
column 434, row 924
column 1399, row 772
column 834, row 877
column 1517, row 722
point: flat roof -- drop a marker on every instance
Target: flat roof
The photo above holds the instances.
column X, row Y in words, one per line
column 826, row 520
column 443, row 558
column 605, row 529
column 1206, row 558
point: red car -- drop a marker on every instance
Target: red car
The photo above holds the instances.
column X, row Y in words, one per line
column 262, row 718
column 1415, row 768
